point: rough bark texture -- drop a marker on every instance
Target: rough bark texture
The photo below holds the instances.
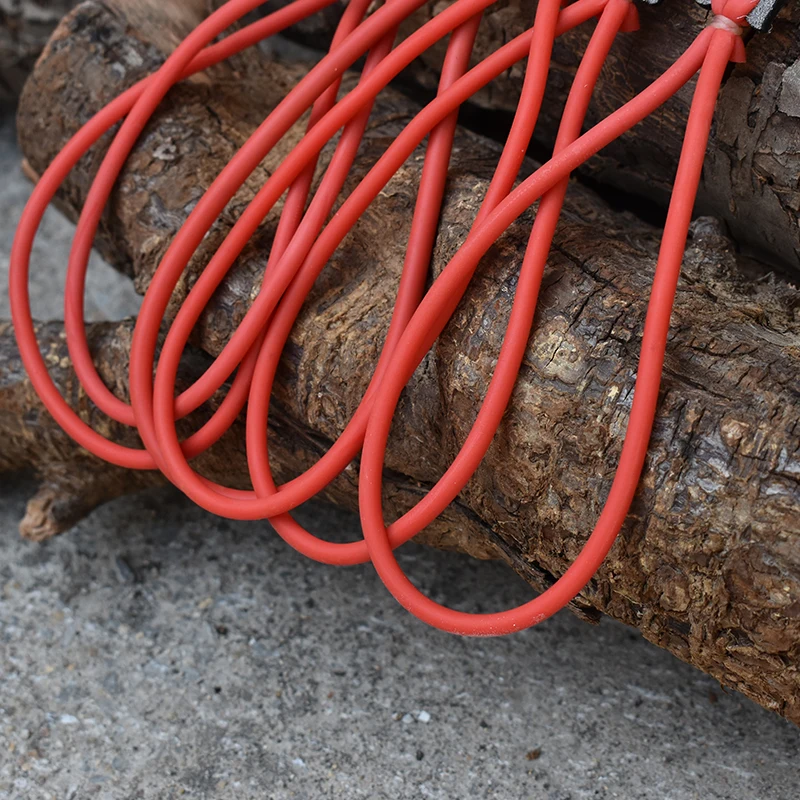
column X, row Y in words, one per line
column 751, row 173
column 708, row 563
column 25, row 27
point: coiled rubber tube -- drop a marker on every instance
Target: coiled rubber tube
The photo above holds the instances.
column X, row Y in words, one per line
column 302, row 247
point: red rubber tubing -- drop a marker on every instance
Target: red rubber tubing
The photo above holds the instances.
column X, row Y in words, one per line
column 45, row 191
column 189, row 313
column 420, row 246
column 275, row 283
column 192, row 307
column 721, row 47
column 449, row 285
column 421, row 241
column 301, row 249
column 83, row 432
column 80, row 143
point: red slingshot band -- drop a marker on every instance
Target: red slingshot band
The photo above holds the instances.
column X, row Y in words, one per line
column 304, row 243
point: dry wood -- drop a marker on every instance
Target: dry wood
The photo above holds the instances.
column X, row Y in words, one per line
column 708, row 564
column 751, row 173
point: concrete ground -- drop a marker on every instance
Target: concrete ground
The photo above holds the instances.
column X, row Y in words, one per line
column 159, row 652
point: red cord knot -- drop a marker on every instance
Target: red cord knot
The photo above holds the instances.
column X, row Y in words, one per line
column 731, row 16
column 726, row 24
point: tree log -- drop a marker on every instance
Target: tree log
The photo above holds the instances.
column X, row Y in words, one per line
column 708, row 563
column 25, row 27
column 753, row 162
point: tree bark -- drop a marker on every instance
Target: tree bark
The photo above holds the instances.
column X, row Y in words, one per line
column 25, row 27
column 708, row 562
column 753, row 161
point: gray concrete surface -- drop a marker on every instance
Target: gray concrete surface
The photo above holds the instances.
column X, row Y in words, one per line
column 158, row 652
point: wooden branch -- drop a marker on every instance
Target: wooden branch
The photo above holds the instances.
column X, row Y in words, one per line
column 708, row 564
column 750, row 177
